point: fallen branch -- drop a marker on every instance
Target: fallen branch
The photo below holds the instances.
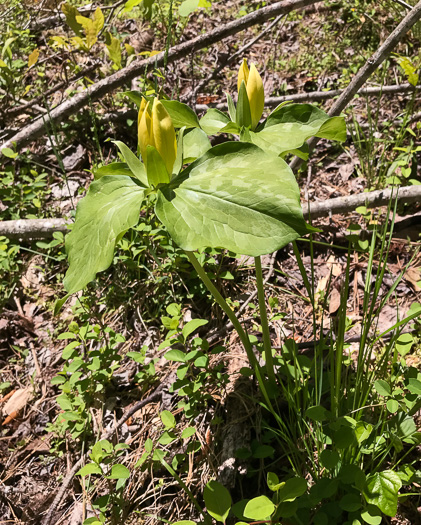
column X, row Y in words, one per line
column 44, row 228
column 313, row 96
column 372, row 199
column 155, row 396
column 103, row 87
column 32, row 228
column 367, row 70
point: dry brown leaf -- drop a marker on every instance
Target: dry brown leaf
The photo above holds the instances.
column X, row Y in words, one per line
column 19, row 399
column 334, row 301
column 413, row 276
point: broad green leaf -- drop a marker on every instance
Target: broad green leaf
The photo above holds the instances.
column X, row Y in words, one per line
column 289, row 127
column 404, row 343
column 217, row 500
column 115, row 168
column 414, row 386
column 259, row 508
column 195, row 144
column 181, row 114
column 188, row 432
column 130, row 4
column 168, row 420
column 392, row 405
column 317, row 413
column 382, row 490
column 382, row 387
column 70, row 12
column 156, row 172
column 350, row 502
column 191, row 326
column 184, row 522
column 9, row 153
column 119, row 471
column 90, row 468
column 329, row 459
column 175, row 355
column 110, row 207
column 134, row 164
column 213, row 121
column 234, row 197
column 64, row 402
column 188, row 7
column 372, row 515
column 89, row 30
column 293, row 488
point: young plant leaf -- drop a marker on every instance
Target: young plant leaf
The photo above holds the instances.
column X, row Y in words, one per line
column 115, row 168
column 195, row 144
column 90, row 468
column 243, row 112
column 259, row 508
column 134, row 164
column 292, row 489
column 119, row 471
column 287, row 128
column 382, row 490
column 217, row 500
column 168, row 420
column 191, row 326
column 234, row 197
column 156, row 171
column 181, row 114
column 213, row 121
column 110, row 207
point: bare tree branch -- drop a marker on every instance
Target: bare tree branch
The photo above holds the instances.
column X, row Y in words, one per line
column 369, row 67
column 103, row 87
column 44, row 228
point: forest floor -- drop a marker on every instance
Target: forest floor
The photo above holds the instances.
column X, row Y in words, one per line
column 150, row 289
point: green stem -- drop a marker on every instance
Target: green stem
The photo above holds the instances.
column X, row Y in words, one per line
column 267, row 344
column 236, row 323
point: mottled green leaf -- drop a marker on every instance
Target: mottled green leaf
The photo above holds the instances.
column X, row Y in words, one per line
column 110, row 207
column 234, row 197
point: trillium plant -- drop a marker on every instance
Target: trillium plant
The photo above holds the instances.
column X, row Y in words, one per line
column 239, row 196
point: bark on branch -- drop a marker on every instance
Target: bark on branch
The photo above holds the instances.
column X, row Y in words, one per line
column 44, row 228
column 105, row 86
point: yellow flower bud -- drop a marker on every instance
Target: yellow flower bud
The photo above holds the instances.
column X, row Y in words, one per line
column 243, row 74
column 155, row 128
column 163, row 135
column 255, row 91
column 144, row 128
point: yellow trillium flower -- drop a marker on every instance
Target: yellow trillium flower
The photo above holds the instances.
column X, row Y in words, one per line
column 155, row 128
column 255, row 91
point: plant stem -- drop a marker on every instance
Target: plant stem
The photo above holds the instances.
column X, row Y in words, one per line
column 267, row 344
column 236, row 323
